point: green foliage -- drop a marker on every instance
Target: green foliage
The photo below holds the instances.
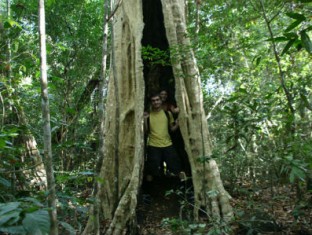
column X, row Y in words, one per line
column 303, row 26
column 187, row 227
column 254, row 135
column 155, row 55
column 296, row 169
column 257, row 224
column 68, row 228
column 24, row 217
column 73, row 192
column 70, row 180
column 11, row 23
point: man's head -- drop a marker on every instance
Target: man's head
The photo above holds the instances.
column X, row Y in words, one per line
column 163, row 95
column 156, row 101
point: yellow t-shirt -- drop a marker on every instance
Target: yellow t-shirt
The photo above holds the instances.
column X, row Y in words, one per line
column 159, row 133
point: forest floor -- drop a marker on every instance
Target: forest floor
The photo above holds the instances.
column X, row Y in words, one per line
column 270, row 210
column 156, row 205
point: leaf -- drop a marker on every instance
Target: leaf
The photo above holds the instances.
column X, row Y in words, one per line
column 306, row 41
column 296, row 16
column 258, row 60
column 68, row 227
column 55, row 128
column 4, row 182
column 11, row 23
column 14, row 215
column 37, row 221
column 32, row 200
column 7, row 207
column 293, row 25
column 304, row 1
column 288, row 45
column 13, row 230
column 278, row 39
column 291, row 35
column 296, row 172
column 50, row 3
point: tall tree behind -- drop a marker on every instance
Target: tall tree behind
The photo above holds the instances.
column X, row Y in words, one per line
column 46, row 121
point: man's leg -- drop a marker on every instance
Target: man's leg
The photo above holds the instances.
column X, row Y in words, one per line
column 172, row 160
column 175, row 165
column 153, row 162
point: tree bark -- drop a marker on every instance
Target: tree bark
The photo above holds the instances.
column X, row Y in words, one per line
column 123, row 161
column 208, row 188
column 121, row 172
column 32, row 152
column 46, row 121
column 123, row 158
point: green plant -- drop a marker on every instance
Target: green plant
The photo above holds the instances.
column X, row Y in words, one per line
column 27, row 216
column 295, row 168
column 24, row 217
column 199, row 228
column 155, row 55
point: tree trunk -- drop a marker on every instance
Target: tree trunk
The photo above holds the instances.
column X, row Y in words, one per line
column 32, row 152
column 208, row 188
column 94, row 224
column 123, row 150
column 123, row 162
column 46, row 120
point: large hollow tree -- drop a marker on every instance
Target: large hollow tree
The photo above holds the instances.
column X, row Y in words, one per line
column 123, row 162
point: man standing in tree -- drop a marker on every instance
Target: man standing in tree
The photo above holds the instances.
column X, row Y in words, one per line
column 158, row 123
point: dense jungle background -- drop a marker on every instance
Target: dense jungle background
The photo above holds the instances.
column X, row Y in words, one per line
column 254, row 58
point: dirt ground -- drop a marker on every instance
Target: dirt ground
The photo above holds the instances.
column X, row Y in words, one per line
column 155, row 205
column 266, row 211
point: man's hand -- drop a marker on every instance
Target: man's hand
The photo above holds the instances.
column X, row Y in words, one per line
column 146, row 115
column 174, row 126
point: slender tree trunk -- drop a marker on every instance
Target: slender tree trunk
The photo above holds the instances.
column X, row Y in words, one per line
column 93, row 225
column 9, row 52
column 46, row 121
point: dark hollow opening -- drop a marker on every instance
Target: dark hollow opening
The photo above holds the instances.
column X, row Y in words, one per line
column 158, row 75
column 156, row 58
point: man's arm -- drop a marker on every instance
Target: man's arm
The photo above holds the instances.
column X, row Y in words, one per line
column 174, row 124
column 146, row 116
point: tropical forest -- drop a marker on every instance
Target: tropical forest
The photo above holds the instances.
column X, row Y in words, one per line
column 156, row 117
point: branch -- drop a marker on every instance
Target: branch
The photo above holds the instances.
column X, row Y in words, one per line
column 278, row 60
column 114, row 11
column 3, row 110
column 21, row 170
column 214, row 106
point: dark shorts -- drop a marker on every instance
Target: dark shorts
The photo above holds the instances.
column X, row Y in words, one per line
column 156, row 156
